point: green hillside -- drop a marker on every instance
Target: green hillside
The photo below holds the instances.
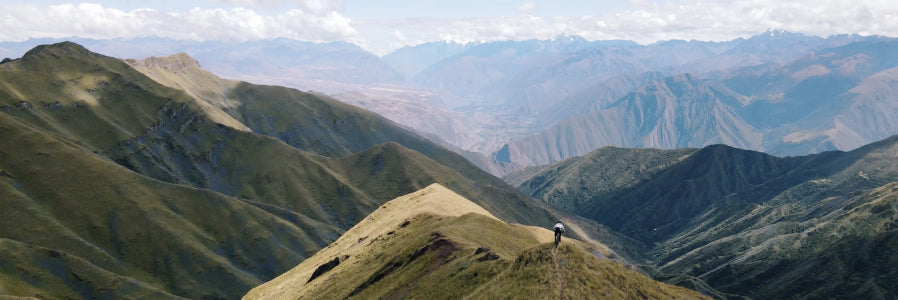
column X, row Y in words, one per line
column 435, row 244
column 751, row 224
column 77, row 225
column 317, row 124
column 600, row 172
column 82, row 96
column 115, row 185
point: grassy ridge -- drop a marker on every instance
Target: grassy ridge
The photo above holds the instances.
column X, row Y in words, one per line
column 434, row 243
column 86, row 97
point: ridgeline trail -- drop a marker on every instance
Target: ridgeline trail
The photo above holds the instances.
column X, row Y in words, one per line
column 562, row 282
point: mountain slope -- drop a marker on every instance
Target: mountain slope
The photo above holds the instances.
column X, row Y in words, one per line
column 184, row 73
column 66, row 89
column 846, row 241
column 751, row 224
column 310, row 122
column 673, row 112
column 594, row 175
column 434, row 243
column 92, row 228
column 827, row 100
column 138, row 176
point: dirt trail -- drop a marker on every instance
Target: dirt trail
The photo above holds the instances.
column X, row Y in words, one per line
column 576, row 228
column 562, row 282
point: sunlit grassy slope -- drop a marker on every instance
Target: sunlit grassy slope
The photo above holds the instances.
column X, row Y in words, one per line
column 434, row 243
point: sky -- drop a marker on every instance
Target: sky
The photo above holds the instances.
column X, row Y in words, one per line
column 386, row 25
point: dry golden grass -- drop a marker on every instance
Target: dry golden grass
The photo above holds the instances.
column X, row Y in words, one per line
column 435, row 244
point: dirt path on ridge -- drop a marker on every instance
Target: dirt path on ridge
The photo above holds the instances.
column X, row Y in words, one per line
column 562, row 282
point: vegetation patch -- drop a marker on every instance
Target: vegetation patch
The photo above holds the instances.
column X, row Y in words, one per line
column 327, row 267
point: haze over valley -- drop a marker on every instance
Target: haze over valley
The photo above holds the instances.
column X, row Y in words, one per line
column 510, row 104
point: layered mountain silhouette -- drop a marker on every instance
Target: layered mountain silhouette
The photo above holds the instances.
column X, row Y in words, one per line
column 434, row 243
column 508, row 104
column 181, row 184
column 543, row 83
column 673, row 112
column 744, row 222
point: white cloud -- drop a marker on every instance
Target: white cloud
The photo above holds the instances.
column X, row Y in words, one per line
column 312, row 6
column 21, row 22
column 651, row 21
column 527, row 7
column 720, row 20
column 645, row 21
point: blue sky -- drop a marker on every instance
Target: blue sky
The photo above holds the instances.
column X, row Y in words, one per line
column 383, row 26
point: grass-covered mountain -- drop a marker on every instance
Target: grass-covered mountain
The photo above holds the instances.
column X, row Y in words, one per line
column 744, row 222
column 331, row 128
column 598, row 173
column 434, row 243
column 181, row 184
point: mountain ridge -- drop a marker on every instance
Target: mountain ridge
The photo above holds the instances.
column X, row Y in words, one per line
column 740, row 221
column 444, row 256
column 121, row 172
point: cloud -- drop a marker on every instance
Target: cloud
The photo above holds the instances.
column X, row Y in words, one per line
column 722, row 20
column 20, row 22
column 651, row 21
column 312, row 6
column 644, row 21
column 527, row 7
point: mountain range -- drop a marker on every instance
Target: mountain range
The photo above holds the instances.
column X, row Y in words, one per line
column 510, row 104
column 745, row 223
column 155, row 178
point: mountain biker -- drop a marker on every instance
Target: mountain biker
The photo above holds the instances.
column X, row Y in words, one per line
column 559, row 229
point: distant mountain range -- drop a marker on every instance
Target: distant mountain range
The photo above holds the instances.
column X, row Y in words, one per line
column 509, row 104
column 745, row 223
column 784, row 93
